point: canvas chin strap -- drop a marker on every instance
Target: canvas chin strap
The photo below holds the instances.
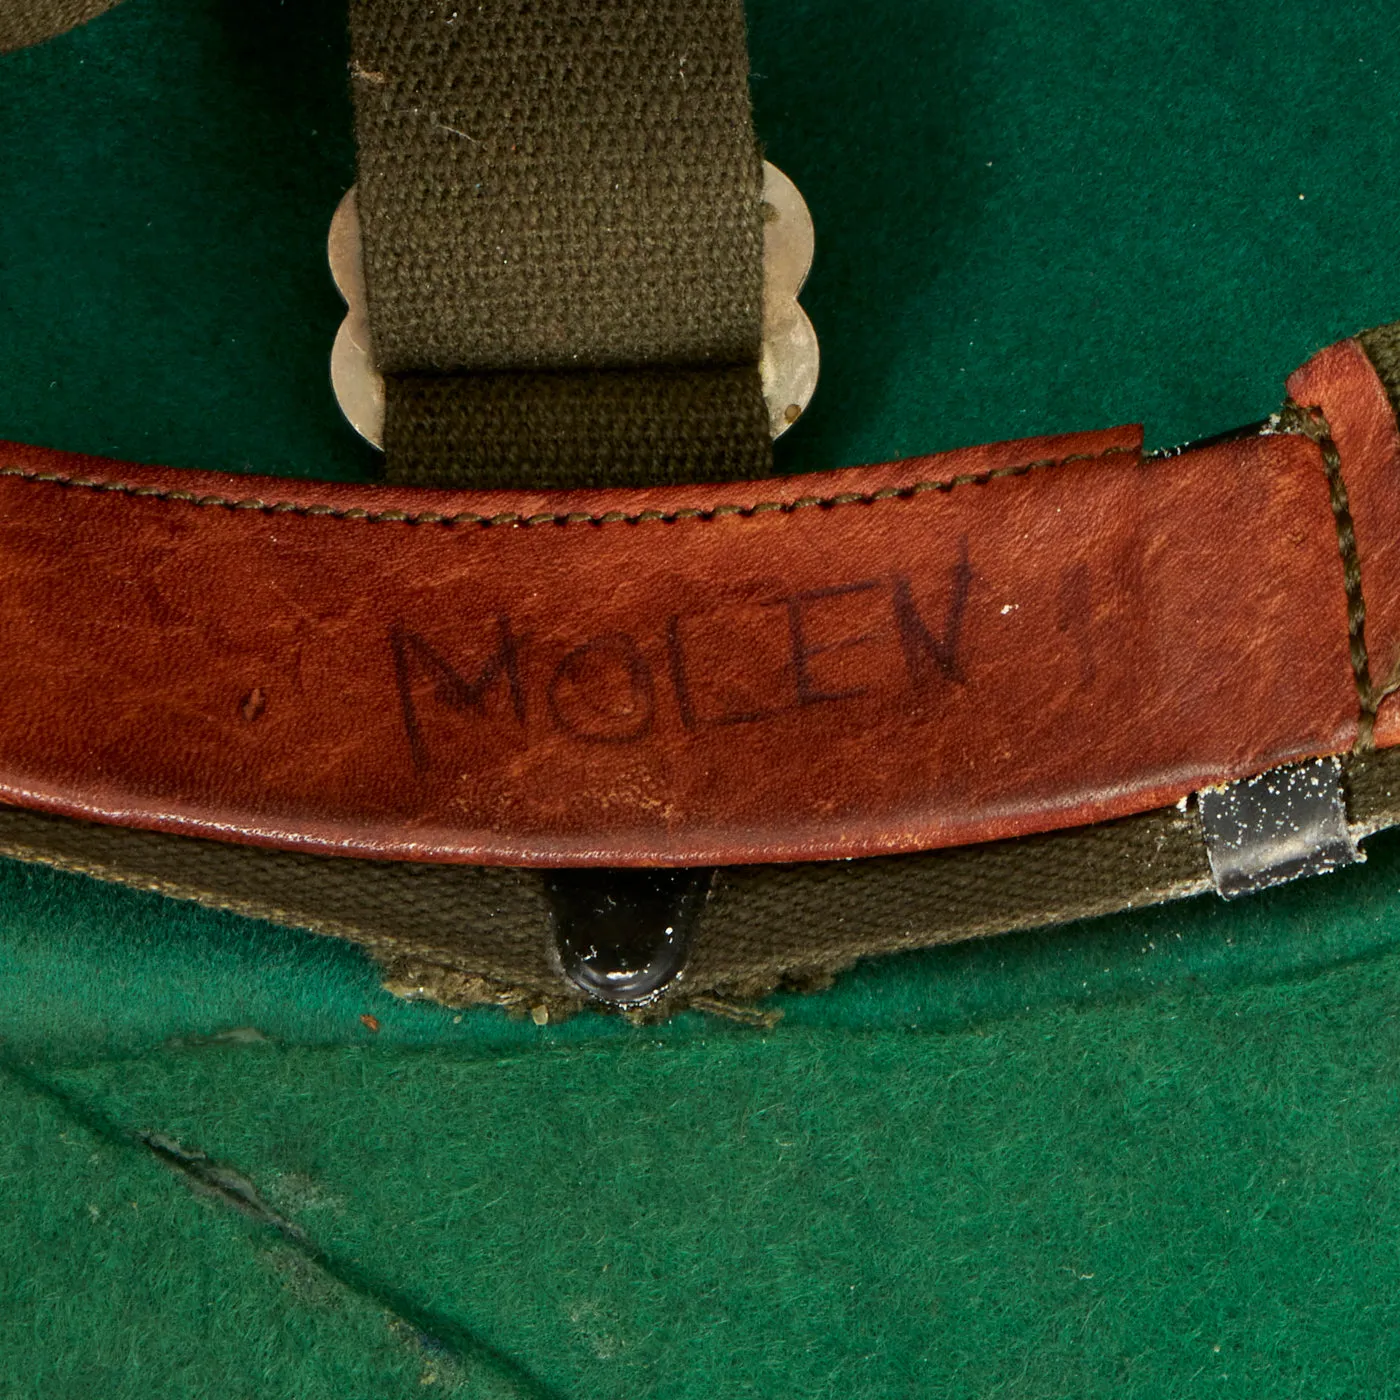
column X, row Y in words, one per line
column 562, row 223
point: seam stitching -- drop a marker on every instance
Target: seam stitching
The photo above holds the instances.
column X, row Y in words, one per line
column 844, row 498
column 1311, row 423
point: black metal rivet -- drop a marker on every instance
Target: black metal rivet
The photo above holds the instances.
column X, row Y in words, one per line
column 623, row 936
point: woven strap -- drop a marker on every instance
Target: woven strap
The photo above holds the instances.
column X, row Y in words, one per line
column 466, row 935
column 563, row 243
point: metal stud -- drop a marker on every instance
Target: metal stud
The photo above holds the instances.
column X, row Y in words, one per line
column 623, row 936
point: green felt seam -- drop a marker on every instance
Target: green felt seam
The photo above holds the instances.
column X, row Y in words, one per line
column 99, row 1263
column 1075, row 1201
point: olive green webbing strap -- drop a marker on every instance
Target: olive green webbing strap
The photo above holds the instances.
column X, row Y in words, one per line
column 25, row 22
column 1382, row 347
column 558, row 430
column 561, row 213
column 464, row 934
column 470, row 934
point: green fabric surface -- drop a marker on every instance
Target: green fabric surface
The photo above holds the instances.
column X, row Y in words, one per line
column 1151, row 1155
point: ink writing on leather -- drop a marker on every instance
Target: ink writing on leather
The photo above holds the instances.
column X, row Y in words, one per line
column 745, row 663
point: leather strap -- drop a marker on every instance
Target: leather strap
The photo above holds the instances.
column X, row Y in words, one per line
column 473, row 933
column 1354, row 415
column 562, row 225
column 956, row 649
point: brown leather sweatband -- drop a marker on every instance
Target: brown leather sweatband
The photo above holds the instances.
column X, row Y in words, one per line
column 980, row 645
column 1355, row 418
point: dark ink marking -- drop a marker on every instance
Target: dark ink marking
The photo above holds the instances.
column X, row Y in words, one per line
column 583, row 677
column 803, row 651
column 451, row 688
column 924, row 654
column 680, row 678
column 685, row 702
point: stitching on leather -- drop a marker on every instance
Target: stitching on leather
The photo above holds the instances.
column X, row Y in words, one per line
column 715, row 512
column 1312, row 424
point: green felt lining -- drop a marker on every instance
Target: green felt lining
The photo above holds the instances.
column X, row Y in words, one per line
column 1151, row 1155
